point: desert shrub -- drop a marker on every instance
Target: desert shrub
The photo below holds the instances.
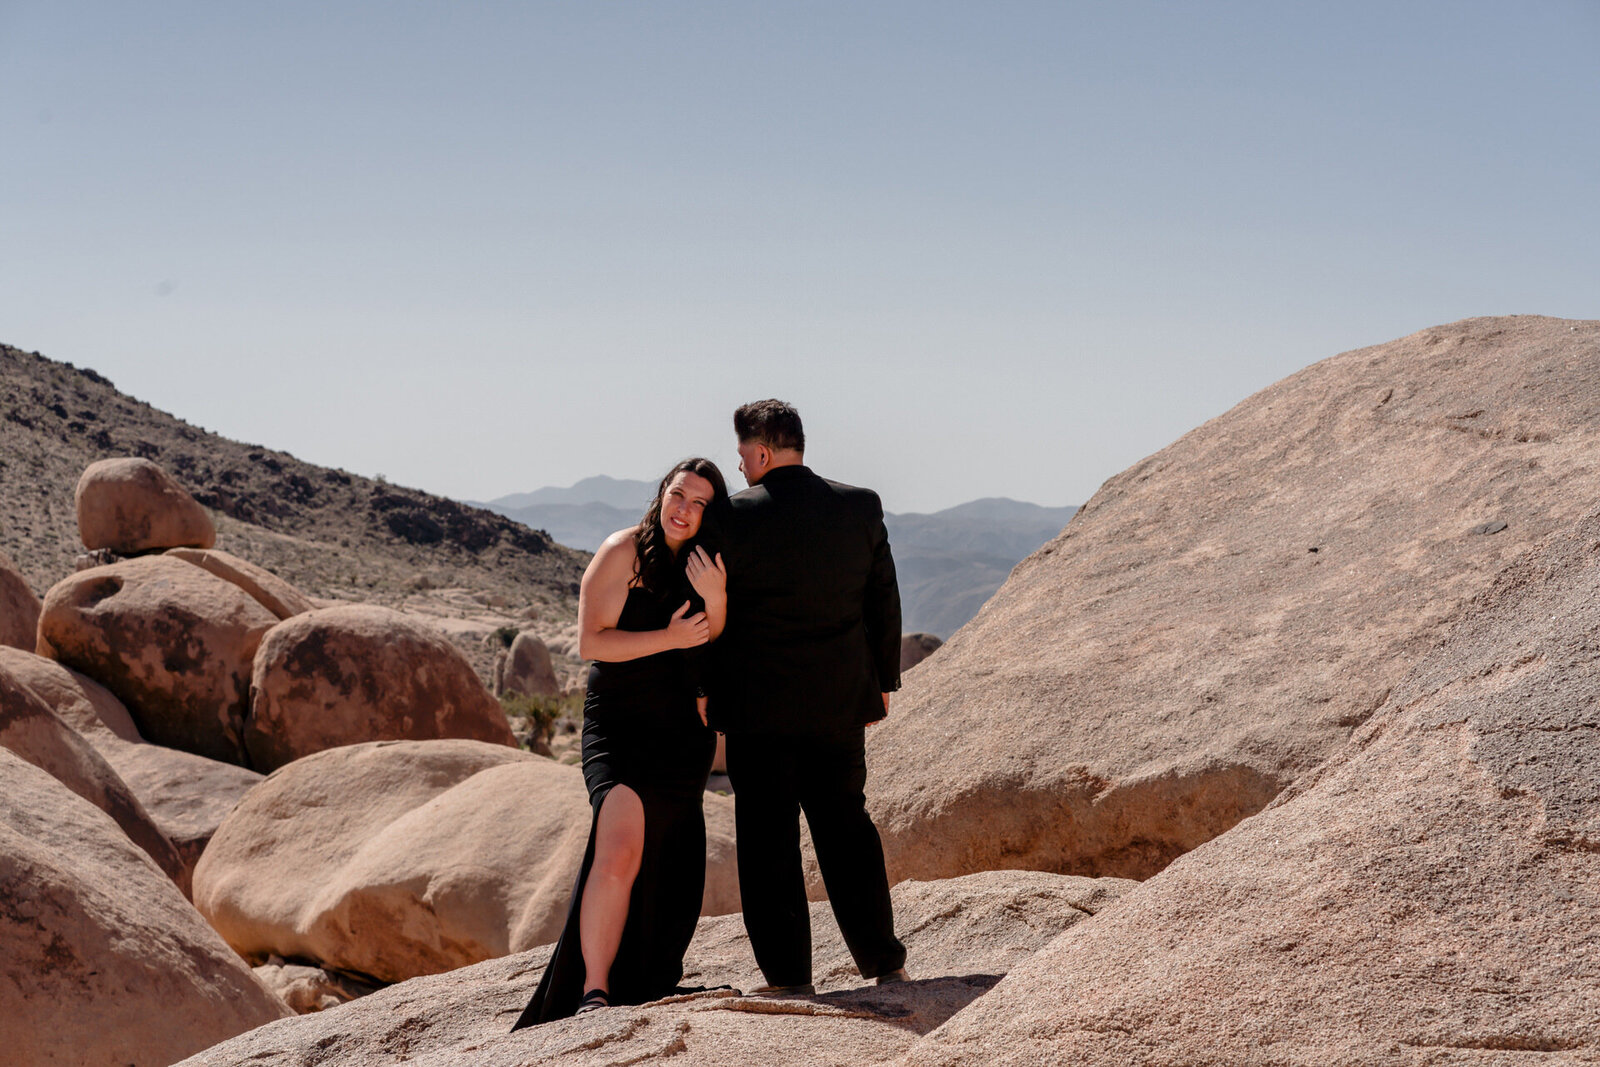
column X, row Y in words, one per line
column 541, row 712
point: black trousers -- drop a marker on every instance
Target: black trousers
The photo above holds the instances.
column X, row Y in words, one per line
column 774, row 779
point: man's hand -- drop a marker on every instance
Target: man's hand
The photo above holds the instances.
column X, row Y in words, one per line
column 700, row 706
column 875, row 722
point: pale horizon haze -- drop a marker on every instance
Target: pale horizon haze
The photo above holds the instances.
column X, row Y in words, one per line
column 987, row 250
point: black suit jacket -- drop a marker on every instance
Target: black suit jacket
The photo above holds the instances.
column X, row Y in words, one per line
column 813, row 632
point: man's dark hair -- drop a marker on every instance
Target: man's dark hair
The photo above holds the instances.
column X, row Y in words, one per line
column 772, row 423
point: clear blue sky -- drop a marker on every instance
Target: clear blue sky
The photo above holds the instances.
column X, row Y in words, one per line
column 987, row 249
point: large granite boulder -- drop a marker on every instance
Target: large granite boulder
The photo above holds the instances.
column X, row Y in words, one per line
column 353, row 673
column 129, row 505
column 400, row 858
column 961, row 936
column 1218, row 618
column 32, row 731
column 19, row 607
column 171, row 641
column 185, row 795
column 1431, row 895
column 105, row 963
column 272, row 592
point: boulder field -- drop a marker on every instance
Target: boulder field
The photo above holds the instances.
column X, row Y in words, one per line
column 1221, row 616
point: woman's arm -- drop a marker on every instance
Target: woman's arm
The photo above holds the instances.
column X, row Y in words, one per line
column 600, row 599
column 710, row 579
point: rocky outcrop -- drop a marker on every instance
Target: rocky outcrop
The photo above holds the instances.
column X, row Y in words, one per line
column 270, row 591
column 341, row 675
column 396, row 859
column 1426, row 897
column 527, row 669
column 19, row 608
column 184, row 794
column 172, row 642
column 1218, row 618
column 33, row 732
column 129, row 505
column 961, row 935
column 105, row 963
column 914, row 648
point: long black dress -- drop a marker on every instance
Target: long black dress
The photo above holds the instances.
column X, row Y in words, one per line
column 641, row 729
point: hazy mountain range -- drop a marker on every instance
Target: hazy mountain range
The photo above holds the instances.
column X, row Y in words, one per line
column 949, row 562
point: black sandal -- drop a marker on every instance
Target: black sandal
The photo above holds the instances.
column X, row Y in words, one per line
column 593, row 1000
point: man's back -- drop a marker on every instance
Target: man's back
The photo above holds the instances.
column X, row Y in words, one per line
column 813, row 632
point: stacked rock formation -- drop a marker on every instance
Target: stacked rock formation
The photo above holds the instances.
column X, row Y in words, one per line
column 214, row 656
column 1218, row 618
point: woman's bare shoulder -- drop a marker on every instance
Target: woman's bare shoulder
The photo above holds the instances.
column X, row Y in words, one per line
column 617, row 551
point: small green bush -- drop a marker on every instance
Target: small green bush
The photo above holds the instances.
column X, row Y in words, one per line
column 542, row 711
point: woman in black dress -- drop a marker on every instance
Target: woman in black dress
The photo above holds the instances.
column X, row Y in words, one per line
column 648, row 597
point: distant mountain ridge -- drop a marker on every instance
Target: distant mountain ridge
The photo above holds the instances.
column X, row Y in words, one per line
column 949, row 561
column 629, row 494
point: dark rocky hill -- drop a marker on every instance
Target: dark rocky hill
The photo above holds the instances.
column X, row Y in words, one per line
column 332, row 533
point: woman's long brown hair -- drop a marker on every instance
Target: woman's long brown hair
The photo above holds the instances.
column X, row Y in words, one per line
column 654, row 566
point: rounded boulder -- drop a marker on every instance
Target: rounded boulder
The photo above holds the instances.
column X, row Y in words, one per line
column 129, row 505
column 527, row 669
column 354, row 673
column 401, row 858
column 104, row 961
column 272, row 592
column 19, row 607
column 171, row 641
column 29, row 728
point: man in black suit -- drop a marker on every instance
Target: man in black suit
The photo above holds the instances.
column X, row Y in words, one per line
column 808, row 658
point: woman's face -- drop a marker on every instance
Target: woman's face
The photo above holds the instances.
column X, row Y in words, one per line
column 683, row 504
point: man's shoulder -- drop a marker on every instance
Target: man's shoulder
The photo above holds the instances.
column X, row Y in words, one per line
column 754, row 496
column 857, row 496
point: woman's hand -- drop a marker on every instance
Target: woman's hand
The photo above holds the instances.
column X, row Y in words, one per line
column 687, row 631
column 709, row 577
